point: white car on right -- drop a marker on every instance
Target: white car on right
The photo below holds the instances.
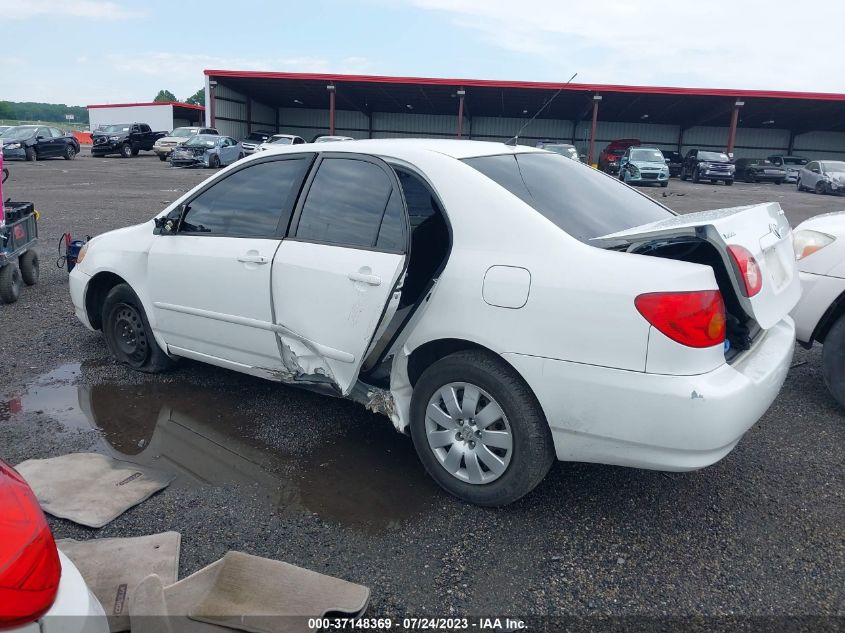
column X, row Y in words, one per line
column 820, row 314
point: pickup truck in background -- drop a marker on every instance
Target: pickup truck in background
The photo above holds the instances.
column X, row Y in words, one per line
column 125, row 139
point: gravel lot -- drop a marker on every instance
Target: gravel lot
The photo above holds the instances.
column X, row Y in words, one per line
column 324, row 484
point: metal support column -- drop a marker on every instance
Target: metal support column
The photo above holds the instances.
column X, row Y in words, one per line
column 592, row 147
column 461, row 94
column 732, row 130
column 212, row 103
column 331, row 89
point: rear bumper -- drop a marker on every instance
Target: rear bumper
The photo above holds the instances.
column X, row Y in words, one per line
column 76, row 609
column 818, row 292
column 653, row 421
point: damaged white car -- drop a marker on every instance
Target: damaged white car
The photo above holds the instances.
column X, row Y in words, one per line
column 494, row 301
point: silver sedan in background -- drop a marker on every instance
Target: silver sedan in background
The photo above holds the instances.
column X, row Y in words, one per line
column 822, row 176
column 206, row 150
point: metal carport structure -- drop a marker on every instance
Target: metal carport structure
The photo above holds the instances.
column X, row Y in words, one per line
column 747, row 122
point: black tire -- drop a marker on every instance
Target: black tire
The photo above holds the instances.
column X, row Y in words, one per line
column 821, row 188
column 532, row 450
column 729, row 182
column 30, row 269
column 664, row 184
column 135, row 151
column 30, row 154
column 799, row 185
column 128, row 334
column 162, row 157
column 833, row 361
column 213, row 161
column 683, row 174
column 241, row 155
column 70, row 152
column 778, row 182
column 10, row 283
column 126, row 151
column 695, row 176
column 749, row 177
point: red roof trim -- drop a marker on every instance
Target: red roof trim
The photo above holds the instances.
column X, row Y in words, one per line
column 177, row 104
column 492, row 83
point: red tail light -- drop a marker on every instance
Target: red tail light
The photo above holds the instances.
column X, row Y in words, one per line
column 749, row 268
column 29, row 561
column 694, row 319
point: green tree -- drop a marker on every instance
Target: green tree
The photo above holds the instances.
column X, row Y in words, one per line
column 198, row 98
column 165, row 95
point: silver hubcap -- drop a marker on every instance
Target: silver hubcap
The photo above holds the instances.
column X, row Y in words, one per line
column 469, row 433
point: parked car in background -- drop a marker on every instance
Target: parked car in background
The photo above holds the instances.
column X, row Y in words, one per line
column 822, row 176
column 666, row 358
column 281, row 139
column 163, row 146
column 702, row 164
column 37, row 142
column 759, row 170
column 675, row 161
column 564, row 149
column 124, row 139
column 3, row 128
column 206, row 150
column 325, row 138
column 790, row 163
column 251, row 141
column 610, row 155
column 643, row 166
column 42, row 590
column 820, row 315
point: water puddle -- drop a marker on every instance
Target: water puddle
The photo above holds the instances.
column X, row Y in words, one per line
column 368, row 479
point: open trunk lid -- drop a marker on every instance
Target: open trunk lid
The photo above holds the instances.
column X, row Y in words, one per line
column 762, row 229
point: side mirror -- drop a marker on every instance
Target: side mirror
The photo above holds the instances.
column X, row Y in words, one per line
column 169, row 224
column 40, row 137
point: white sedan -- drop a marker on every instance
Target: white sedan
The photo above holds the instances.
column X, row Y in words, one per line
column 41, row 591
column 502, row 305
column 820, row 316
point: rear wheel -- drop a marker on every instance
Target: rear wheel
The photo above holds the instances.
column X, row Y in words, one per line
column 833, row 361
column 30, row 154
column 479, row 430
column 70, row 152
column 683, row 175
column 750, row 177
column 695, row 176
column 126, row 151
column 128, row 334
column 29, row 267
column 10, row 283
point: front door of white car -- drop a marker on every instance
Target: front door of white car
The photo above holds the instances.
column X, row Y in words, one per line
column 209, row 282
column 334, row 279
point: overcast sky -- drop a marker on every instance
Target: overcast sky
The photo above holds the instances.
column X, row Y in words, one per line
column 99, row 51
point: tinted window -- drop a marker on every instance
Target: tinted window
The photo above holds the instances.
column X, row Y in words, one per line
column 391, row 236
column 248, row 203
column 145, row 127
column 582, row 201
column 55, row 133
column 346, row 203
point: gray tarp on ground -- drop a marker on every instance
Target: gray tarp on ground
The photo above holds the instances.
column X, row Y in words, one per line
column 114, row 567
column 246, row 593
column 89, row 488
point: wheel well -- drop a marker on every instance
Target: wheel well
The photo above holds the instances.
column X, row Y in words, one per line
column 428, row 353
column 831, row 316
column 95, row 295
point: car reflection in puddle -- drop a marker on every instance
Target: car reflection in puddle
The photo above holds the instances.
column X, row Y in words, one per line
column 370, row 479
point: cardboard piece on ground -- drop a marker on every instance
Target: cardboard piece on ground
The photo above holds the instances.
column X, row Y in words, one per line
column 89, row 488
column 246, row 593
column 114, row 567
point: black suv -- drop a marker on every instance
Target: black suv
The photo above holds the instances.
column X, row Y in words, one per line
column 126, row 139
column 701, row 164
column 675, row 160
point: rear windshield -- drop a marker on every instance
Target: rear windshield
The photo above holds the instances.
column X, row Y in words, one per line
column 792, row 160
column 580, row 200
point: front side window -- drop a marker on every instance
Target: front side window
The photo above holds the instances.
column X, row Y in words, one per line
column 55, row 133
column 582, row 201
column 145, row 127
column 252, row 202
column 346, row 203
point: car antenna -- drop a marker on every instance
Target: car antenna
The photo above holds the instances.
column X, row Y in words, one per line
column 512, row 141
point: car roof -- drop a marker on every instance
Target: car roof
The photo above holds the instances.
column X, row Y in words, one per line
column 407, row 148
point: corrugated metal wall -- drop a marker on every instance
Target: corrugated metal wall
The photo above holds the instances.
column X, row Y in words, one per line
column 310, row 123
column 663, row 136
column 821, row 145
column 230, row 112
column 262, row 117
column 503, row 128
column 399, row 124
column 750, row 142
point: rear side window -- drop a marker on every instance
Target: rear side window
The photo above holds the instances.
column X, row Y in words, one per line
column 252, row 202
column 582, row 201
column 144, row 127
column 347, row 203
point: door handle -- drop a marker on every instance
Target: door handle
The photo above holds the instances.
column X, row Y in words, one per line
column 250, row 258
column 372, row 280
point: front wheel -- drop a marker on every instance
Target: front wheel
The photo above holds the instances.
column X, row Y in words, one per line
column 750, row 177
column 833, row 361
column 213, row 161
column 729, row 182
column 126, row 151
column 664, row 184
column 695, row 176
column 479, row 430
column 162, row 157
column 778, row 182
column 799, row 185
column 683, row 174
column 30, row 154
column 128, row 334
column 821, row 188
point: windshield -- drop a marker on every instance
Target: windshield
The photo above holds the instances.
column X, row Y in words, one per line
column 582, row 201
column 675, row 157
column 113, row 129
column 281, row 140
column 202, row 140
column 835, row 165
column 717, row 156
column 792, row 160
column 647, row 155
column 257, row 136
column 19, row 133
column 184, row 131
